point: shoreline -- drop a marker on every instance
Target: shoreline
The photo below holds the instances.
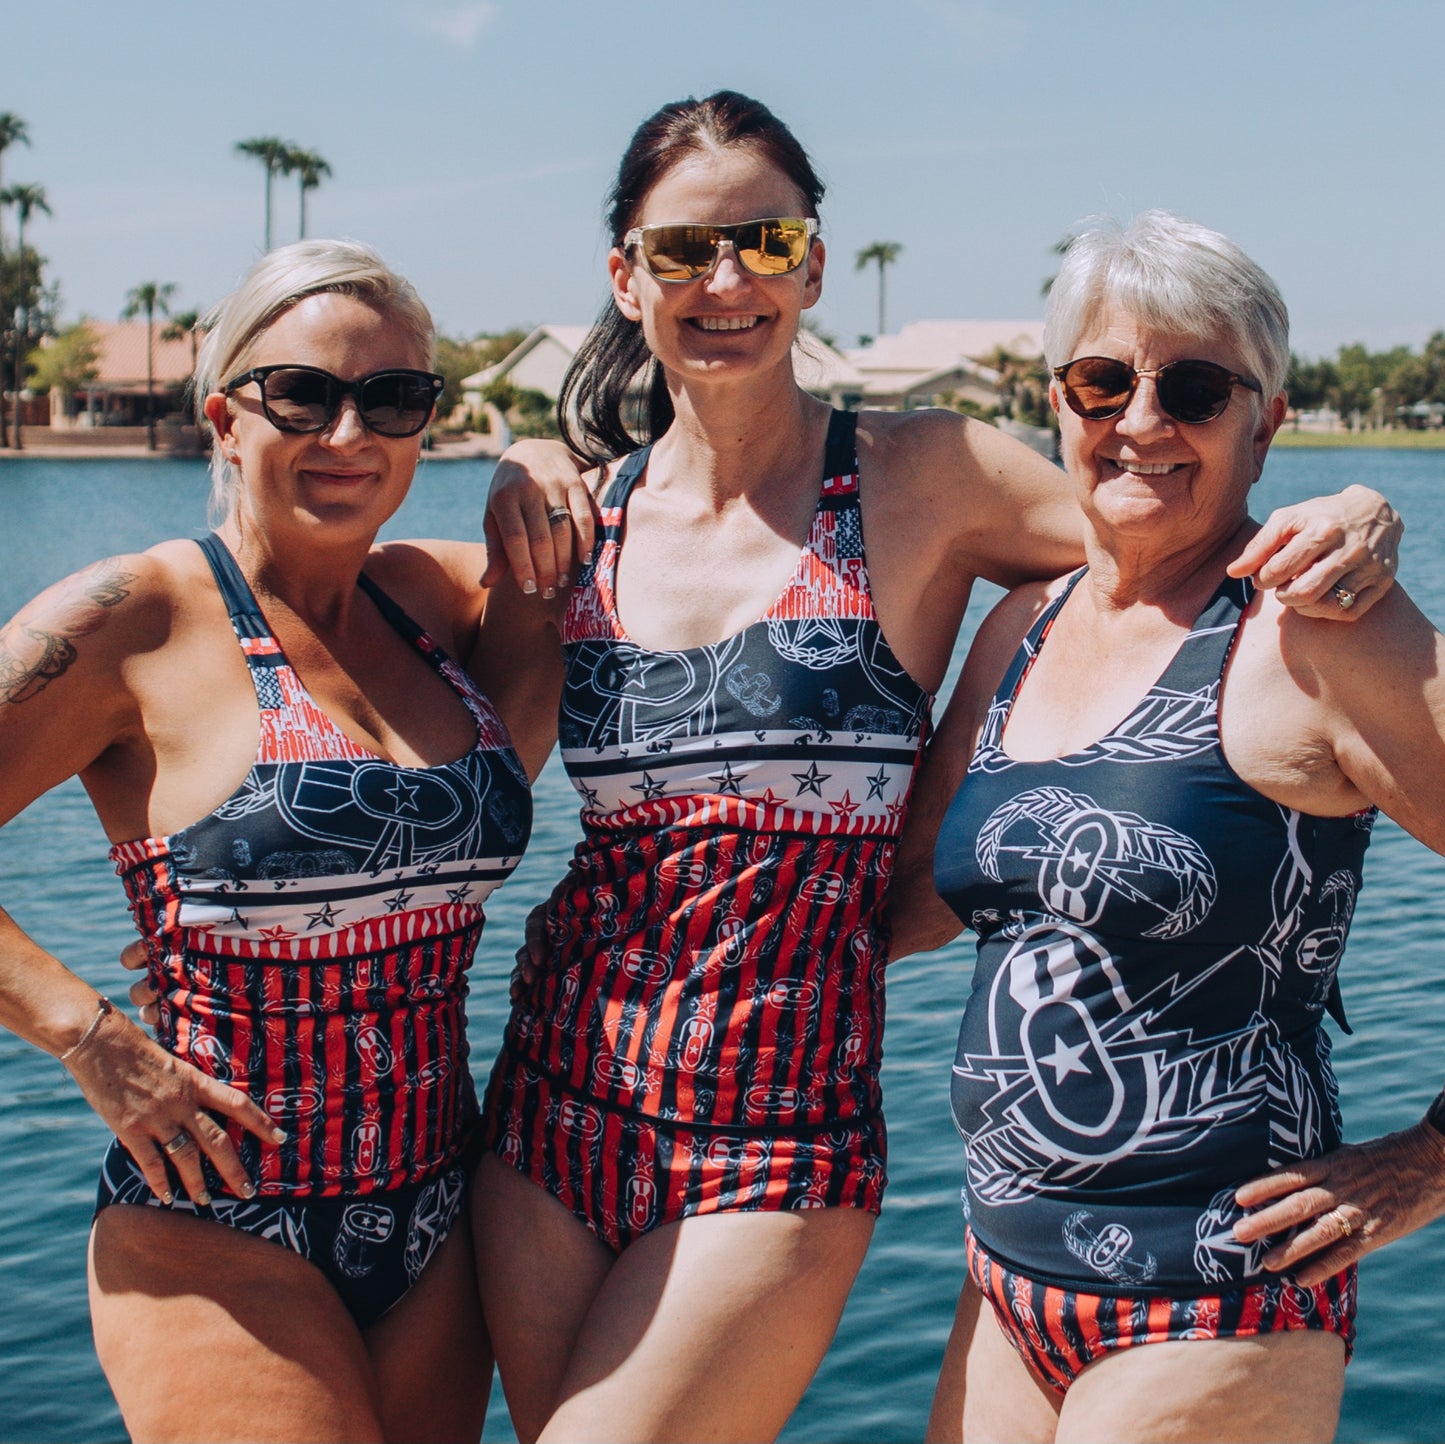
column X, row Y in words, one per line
column 1361, row 440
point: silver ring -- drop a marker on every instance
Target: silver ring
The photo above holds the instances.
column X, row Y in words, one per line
column 1345, row 597
column 557, row 514
column 180, row 1141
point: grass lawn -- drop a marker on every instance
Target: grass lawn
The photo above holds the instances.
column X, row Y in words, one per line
column 1394, row 440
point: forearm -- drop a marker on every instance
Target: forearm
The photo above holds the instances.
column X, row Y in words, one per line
column 919, row 921
column 41, row 1000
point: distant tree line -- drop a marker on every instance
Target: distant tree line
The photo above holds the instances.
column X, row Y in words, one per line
column 1368, row 387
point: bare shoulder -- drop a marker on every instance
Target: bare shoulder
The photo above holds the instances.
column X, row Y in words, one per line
column 909, row 445
column 107, row 610
column 422, row 564
column 1394, row 640
column 72, row 661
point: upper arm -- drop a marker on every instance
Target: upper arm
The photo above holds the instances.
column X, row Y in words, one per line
column 1382, row 694
column 920, row 918
column 996, row 508
column 1024, row 522
column 517, row 661
column 64, row 699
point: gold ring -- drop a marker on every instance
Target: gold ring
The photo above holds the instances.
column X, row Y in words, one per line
column 1345, row 597
column 174, row 1145
column 1344, row 1223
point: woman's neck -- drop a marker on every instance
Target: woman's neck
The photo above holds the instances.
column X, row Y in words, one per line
column 317, row 583
column 1124, row 572
column 735, row 439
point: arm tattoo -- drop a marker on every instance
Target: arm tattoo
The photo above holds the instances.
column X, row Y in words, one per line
column 34, row 656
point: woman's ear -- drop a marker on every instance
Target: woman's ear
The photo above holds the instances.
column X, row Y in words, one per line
column 813, row 284
column 1272, row 415
column 619, row 271
column 217, row 410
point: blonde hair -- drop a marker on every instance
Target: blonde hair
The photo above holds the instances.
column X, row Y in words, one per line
column 271, row 287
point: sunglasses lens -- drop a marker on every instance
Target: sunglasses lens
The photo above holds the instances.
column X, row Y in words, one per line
column 679, row 253
column 396, row 403
column 298, row 400
column 1096, row 387
column 772, row 247
column 1194, row 391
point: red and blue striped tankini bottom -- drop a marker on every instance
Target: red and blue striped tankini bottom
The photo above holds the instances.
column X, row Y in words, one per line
column 709, row 1033
column 1059, row 1332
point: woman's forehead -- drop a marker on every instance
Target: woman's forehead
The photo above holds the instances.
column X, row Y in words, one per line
column 708, row 185
column 333, row 324
column 1115, row 325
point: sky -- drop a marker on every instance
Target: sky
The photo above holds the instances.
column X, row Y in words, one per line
column 472, row 142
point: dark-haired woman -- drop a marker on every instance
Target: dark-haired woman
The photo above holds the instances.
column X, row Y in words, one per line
column 686, row 1141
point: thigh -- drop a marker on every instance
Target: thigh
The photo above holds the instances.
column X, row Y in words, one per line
column 430, row 1354
column 985, row 1391
column 205, row 1332
column 711, row 1327
column 538, row 1271
column 1284, row 1386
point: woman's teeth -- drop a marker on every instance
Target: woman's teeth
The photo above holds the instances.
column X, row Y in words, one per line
column 1144, row 468
column 727, row 323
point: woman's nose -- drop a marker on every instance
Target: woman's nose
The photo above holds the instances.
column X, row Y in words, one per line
column 728, row 273
column 1144, row 417
column 346, row 427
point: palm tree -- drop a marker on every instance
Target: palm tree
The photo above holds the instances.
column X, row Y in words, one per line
column 884, row 253
column 1059, row 248
column 13, row 131
column 27, row 199
column 1022, row 384
column 311, row 170
column 275, row 155
column 183, row 324
column 150, row 297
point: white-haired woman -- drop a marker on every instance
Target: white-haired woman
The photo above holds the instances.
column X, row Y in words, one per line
column 1158, row 840
column 307, row 801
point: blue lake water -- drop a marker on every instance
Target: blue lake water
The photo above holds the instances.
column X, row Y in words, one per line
column 877, row 1380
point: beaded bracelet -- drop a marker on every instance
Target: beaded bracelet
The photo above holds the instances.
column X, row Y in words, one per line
column 103, row 1008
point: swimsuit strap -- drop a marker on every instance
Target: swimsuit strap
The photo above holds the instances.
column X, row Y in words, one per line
column 1203, row 654
column 628, row 475
column 840, row 451
column 240, row 600
column 400, row 622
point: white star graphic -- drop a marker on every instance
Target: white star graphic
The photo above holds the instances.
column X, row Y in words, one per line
column 403, row 794
column 1065, row 1060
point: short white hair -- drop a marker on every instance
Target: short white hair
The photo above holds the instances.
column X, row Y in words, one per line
column 279, row 280
column 1176, row 277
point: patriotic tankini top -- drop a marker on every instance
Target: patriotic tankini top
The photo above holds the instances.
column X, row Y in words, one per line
column 718, row 942
column 309, row 938
column 1157, row 946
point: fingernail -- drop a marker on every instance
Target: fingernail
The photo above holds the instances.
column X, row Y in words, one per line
column 529, row 586
column 279, row 1134
column 249, row 1191
column 563, row 580
column 168, row 1198
column 203, row 1199
column 548, row 593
